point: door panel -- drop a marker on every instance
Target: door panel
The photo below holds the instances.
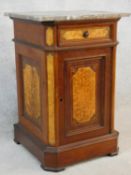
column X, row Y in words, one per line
column 84, row 113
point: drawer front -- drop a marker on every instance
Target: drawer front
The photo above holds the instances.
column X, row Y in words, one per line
column 82, row 35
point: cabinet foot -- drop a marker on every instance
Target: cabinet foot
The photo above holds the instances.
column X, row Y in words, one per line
column 52, row 169
column 17, row 142
column 114, row 153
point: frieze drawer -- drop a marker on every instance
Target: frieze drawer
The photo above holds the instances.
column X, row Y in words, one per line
column 76, row 35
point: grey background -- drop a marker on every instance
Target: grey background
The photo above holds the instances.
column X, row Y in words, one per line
column 17, row 160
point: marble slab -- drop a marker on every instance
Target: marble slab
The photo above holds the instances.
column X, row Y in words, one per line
column 65, row 15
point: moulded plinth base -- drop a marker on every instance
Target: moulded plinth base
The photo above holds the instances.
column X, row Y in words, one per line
column 57, row 158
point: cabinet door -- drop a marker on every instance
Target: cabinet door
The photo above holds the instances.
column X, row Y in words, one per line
column 84, row 94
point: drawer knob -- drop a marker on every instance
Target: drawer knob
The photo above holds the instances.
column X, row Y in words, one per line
column 85, row 34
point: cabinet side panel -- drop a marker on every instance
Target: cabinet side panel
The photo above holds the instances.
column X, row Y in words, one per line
column 32, row 95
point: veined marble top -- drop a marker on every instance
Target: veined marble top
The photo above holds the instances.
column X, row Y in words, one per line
column 65, row 15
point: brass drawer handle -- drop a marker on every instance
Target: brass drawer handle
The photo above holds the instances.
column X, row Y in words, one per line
column 85, row 34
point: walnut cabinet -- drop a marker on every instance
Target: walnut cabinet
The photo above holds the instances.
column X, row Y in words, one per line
column 65, row 84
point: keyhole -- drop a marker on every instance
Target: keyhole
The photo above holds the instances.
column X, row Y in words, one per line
column 61, row 99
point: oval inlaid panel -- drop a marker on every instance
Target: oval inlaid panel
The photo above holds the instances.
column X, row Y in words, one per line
column 84, row 94
column 31, row 83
